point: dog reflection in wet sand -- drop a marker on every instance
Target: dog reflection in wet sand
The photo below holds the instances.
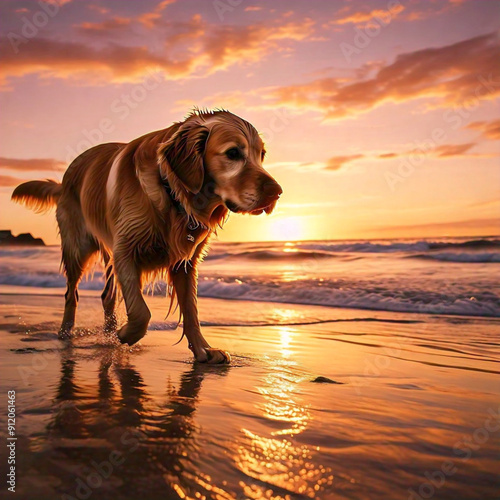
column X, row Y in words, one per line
column 120, row 441
column 149, row 208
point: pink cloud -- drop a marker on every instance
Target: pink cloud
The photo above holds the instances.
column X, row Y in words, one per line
column 193, row 46
column 451, row 75
column 40, row 164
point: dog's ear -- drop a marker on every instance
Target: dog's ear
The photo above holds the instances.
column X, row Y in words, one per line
column 183, row 154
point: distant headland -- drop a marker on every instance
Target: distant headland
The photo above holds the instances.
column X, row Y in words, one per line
column 7, row 238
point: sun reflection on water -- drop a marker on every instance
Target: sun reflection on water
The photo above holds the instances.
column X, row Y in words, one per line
column 285, row 338
column 281, row 467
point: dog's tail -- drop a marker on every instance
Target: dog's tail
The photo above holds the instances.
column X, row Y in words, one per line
column 40, row 196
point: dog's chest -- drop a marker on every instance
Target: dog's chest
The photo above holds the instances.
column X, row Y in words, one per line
column 180, row 245
column 191, row 237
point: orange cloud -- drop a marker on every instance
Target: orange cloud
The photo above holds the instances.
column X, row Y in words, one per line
column 489, row 129
column 57, row 59
column 384, row 16
column 442, row 151
column 193, row 46
column 104, row 27
column 453, row 75
column 228, row 45
column 47, row 164
column 447, row 150
column 337, row 162
column 151, row 19
column 432, row 10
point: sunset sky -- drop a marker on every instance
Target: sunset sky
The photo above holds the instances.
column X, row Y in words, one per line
column 381, row 119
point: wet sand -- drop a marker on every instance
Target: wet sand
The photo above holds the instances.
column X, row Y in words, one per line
column 414, row 412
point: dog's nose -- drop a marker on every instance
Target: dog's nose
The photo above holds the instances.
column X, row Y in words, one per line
column 272, row 189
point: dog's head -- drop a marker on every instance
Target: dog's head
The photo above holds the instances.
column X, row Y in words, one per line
column 218, row 156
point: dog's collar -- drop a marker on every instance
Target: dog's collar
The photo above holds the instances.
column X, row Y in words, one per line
column 193, row 224
column 175, row 202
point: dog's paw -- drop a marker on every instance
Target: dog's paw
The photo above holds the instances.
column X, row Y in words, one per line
column 65, row 332
column 110, row 325
column 129, row 337
column 215, row 357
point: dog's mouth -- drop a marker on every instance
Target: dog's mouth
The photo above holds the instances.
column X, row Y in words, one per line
column 233, row 207
column 255, row 211
column 268, row 209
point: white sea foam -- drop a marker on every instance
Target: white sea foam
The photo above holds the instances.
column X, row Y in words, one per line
column 443, row 277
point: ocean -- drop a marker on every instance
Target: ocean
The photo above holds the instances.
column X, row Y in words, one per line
column 455, row 276
column 359, row 370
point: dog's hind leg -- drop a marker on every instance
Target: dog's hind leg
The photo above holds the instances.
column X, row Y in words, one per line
column 74, row 264
column 77, row 248
column 108, row 297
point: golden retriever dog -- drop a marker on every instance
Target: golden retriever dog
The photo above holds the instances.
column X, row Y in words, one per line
column 148, row 208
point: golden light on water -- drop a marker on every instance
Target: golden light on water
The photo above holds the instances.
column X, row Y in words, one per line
column 276, row 460
column 285, row 337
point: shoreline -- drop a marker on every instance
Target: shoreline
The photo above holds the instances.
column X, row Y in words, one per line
column 230, row 431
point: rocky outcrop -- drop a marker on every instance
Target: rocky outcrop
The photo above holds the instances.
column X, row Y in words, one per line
column 7, row 238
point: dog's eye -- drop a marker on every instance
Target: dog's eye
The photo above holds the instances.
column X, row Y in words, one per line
column 233, row 154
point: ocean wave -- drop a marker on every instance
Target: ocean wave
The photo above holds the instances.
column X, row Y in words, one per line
column 463, row 258
column 272, row 255
column 375, row 283
column 20, row 252
column 330, row 249
column 400, row 246
column 47, row 280
column 383, row 295
column 474, row 244
column 318, row 250
column 354, row 295
column 368, row 247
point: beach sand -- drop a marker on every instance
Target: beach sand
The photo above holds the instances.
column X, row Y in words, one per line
column 414, row 411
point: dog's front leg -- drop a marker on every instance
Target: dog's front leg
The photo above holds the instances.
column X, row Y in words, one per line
column 185, row 281
column 138, row 314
